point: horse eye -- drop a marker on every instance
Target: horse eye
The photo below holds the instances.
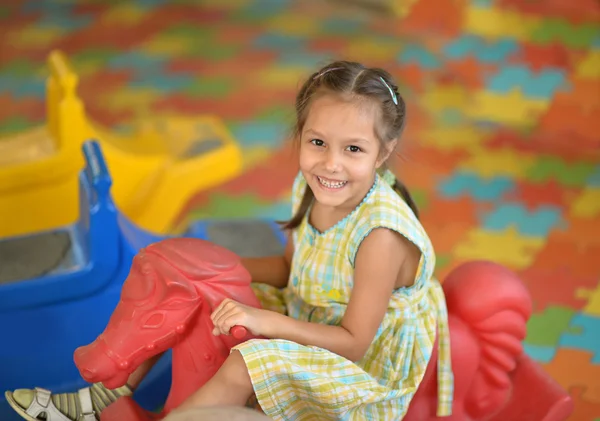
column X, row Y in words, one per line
column 154, row 321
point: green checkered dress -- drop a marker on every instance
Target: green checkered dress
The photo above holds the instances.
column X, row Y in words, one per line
column 296, row 382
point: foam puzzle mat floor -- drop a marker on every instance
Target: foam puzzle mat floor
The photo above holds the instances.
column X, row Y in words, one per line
column 502, row 148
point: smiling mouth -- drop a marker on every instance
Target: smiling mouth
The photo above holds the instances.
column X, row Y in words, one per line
column 331, row 184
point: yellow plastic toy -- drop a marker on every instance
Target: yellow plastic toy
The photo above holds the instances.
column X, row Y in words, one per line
column 155, row 171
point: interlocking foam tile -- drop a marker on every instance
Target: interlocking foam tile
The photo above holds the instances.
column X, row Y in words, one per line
column 589, row 67
column 583, row 94
column 540, row 85
column 282, row 77
column 13, row 125
column 466, row 138
column 538, row 57
column 486, row 51
column 587, row 205
column 35, row 87
column 575, row 36
column 594, row 178
column 16, row 109
column 131, row 99
column 586, row 231
column 585, row 410
column 462, row 215
column 446, row 17
column 448, row 96
column 499, row 162
column 87, row 63
column 469, row 72
column 506, row 247
column 292, row 24
column 472, row 184
column 417, row 54
column 545, row 330
column 377, row 49
column 583, row 335
column 535, row 223
column 551, row 167
column 264, row 133
column 575, row 12
column 592, row 296
column 494, row 23
column 243, row 206
column 512, row 108
column 570, row 120
column 549, row 287
column 124, row 14
column 99, row 83
column 35, row 36
column 336, row 25
column 532, row 195
column 572, row 368
column 559, row 252
column 545, row 143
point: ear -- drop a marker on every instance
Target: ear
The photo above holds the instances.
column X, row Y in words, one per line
column 386, row 152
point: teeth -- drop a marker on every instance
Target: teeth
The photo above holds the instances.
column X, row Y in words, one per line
column 332, row 184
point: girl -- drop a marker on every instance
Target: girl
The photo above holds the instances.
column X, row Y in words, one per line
column 351, row 311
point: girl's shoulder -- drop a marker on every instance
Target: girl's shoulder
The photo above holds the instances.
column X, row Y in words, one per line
column 385, row 208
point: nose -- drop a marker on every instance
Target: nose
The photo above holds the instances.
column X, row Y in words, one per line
column 93, row 363
column 332, row 161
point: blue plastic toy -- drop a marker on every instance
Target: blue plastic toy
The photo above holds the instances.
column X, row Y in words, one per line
column 44, row 319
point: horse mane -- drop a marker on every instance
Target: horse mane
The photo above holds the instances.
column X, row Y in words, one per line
column 496, row 307
column 215, row 272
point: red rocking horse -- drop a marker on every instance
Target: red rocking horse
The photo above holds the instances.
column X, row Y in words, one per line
column 174, row 285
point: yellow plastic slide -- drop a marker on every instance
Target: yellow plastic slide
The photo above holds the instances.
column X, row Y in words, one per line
column 155, row 171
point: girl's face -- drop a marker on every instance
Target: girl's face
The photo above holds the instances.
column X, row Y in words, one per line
column 339, row 151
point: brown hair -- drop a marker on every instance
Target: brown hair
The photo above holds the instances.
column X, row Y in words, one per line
column 358, row 82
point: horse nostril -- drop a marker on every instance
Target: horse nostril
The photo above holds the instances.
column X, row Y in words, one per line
column 88, row 374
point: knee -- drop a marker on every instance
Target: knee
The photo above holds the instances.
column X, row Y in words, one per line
column 235, row 372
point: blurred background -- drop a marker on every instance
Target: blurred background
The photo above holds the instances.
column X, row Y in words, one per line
column 501, row 151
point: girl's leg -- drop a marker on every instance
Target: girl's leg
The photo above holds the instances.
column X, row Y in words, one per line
column 69, row 403
column 231, row 385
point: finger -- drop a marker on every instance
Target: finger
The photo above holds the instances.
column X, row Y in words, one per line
column 226, row 309
column 229, row 316
column 226, row 303
column 231, row 321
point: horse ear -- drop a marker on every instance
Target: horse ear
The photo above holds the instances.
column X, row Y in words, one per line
column 176, row 290
column 140, row 283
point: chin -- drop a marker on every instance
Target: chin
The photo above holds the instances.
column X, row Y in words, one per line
column 330, row 198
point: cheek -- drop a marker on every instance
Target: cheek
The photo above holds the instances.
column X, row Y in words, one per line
column 307, row 159
column 362, row 169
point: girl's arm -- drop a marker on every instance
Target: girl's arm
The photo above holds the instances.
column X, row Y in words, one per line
column 271, row 270
column 378, row 263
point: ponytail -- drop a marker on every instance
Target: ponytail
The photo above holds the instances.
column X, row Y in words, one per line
column 401, row 189
column 296, row 220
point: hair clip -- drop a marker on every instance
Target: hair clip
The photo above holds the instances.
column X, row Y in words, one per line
column 325, row 71
column 390, row 89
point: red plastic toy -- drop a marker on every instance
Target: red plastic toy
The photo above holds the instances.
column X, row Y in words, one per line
column 166, row 302
column 174, row 285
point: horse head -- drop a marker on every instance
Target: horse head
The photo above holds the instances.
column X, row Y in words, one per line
column 170, row 285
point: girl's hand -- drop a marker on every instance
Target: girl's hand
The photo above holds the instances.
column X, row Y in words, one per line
column 231, row 313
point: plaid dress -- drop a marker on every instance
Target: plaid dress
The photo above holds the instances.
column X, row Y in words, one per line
column 296, row 382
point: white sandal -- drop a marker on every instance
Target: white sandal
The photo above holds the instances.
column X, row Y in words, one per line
column 42, row 403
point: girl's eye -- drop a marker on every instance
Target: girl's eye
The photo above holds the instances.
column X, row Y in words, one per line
column 317, row 142
column 353, row 148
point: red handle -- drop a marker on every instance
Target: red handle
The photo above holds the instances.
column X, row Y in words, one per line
column 238, row 332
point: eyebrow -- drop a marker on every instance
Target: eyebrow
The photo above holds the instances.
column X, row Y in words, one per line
column 353, row 139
